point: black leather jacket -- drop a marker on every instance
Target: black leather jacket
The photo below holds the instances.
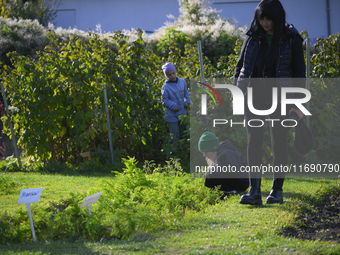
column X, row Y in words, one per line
column 290, row 62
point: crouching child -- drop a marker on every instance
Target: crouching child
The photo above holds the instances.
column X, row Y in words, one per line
column 225, row 165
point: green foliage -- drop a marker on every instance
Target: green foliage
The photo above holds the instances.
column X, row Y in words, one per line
column 60, row 97
column 10, row 164
column 171, row 38
column 227, row 63
column 100, row 162
column 6, row 185
column 139, row 202
column 23, row 36
column 326, row 59
column 41, row 10
column 59, row 220
column 197, row 22
column 3, row 12
column 136, row 200
column 213, row 48
column 325, row 106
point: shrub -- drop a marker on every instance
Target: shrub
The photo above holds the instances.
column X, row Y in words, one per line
column 139, row 202
column 74, row 65
column 325, row 106
column 60, row 100
column 41, row 10
column 58, row 220
column 26, row 37
column 197, row 21
column 136, row 201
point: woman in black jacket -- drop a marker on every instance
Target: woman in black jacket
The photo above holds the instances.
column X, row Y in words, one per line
column 271, row 56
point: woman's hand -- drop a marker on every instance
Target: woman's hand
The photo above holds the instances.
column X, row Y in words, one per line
column 298, row 112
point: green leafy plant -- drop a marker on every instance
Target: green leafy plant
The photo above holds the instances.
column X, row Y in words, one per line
column 197, row 21
column 134, row 201
column 60, row 98
column 139, row 201
column 7, row 185
column 43, row 11
column 59, row 220
column 58, row 89
column 325, row 106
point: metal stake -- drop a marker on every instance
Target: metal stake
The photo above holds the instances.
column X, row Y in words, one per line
column 108, row 123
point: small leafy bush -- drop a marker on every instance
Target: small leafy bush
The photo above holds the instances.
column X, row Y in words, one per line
column 137, row 200
column 58, row 220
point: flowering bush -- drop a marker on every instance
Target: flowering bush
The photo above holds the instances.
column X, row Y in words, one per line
column 197, row 21
column 43, row 11
column 26, row 37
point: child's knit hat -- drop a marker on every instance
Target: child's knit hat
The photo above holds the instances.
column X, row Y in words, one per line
column 168, row 67
column 208, row 142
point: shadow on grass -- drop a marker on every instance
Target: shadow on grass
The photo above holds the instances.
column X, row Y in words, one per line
column 141, row 242
column 80, row 174
column 54, row 247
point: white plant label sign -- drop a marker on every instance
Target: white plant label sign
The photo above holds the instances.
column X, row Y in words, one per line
column 28, row 196
column 89, row 200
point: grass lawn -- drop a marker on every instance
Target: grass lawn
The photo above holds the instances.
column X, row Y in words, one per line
column 54, row 186
column 224, row 228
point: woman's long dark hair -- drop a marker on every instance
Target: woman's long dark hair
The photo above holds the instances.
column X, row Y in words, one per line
column 273, row 10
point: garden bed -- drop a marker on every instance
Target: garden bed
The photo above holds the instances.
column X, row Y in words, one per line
column 323, row 223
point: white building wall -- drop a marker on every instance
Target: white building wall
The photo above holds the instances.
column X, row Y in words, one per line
column 149, row 15
column 115, row 15
column 335, row 16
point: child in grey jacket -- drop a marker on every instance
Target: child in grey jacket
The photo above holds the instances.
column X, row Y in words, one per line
column 175, row 98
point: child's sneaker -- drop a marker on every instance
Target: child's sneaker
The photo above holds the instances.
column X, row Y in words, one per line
column 227, row 194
